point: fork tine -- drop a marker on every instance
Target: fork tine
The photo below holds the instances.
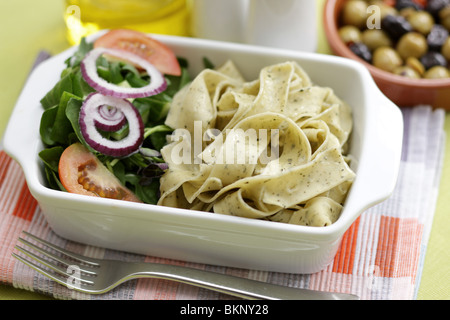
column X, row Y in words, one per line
column 54, row 276
column 86, row 269
column 60, row 274
column 85, row 260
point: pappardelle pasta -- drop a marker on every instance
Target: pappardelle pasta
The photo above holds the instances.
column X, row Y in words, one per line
column 274, row 148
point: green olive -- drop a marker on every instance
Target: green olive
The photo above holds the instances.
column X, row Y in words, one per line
column 350, row 34
column 406, row 72
column 354, row 13
column 421, row 21
column 445, row 50
column 416, row 65
column 412, row 44
column 386, row 58
column 407, row 12
column 437, row 72
column 444, row 16
column 375, row 38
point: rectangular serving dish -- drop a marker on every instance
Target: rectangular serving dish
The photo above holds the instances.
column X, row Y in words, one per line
column 212, row 238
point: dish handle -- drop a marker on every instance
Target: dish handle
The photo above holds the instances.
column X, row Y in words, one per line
column 383, row 155
column 20, row 135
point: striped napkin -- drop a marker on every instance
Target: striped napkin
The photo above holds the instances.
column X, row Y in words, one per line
column 380, row 258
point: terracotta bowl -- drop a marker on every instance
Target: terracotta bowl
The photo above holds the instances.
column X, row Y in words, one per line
column 402, row 91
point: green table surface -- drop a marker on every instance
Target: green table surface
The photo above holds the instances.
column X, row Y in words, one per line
column 28, row 26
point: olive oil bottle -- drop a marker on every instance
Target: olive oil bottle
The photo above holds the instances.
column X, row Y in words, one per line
column 84, row 17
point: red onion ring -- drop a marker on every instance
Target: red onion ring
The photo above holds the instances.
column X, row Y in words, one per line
column 110, row 118
column 89, row 116
column 89, row 71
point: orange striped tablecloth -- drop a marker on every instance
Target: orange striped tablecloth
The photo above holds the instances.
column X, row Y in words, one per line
column 380, row 258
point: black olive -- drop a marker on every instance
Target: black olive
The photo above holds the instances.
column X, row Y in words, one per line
column 437, row 37
column 395, row 26
column 402, row 4
column 362, row 51
column 432, row 59
column 434, row 6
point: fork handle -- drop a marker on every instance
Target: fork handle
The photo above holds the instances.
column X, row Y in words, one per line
column 235, row 286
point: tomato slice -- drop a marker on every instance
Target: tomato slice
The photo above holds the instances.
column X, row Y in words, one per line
column 81, row 172
column 157, row 53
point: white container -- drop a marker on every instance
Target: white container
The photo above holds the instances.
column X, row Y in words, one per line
column 286, row 24
column 222, row 20
column 213, row 238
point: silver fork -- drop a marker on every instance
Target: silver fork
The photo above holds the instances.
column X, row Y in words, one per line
column 96, row 276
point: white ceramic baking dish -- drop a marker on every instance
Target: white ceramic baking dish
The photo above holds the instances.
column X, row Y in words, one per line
column 212, row 238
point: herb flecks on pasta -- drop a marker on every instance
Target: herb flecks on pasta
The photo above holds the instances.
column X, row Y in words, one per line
column 301, row 175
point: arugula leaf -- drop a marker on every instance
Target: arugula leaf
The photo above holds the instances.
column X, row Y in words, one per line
column 53, row 180
column 80, row 87
column 177, row 82
column 71, row 81
column 157, row 135
column 46, row 125
column 153, row 110
column 62, row 126
column 83, row 49
column 126, row 67
column 148, row 193
column 161, row 128
column 73, row 115
column 128, row 171
column 136, row 81
column 159, row 140
column 55, row 127
column 50, row 157
column 53, row 97
column 208, row 64
column 110, row 71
